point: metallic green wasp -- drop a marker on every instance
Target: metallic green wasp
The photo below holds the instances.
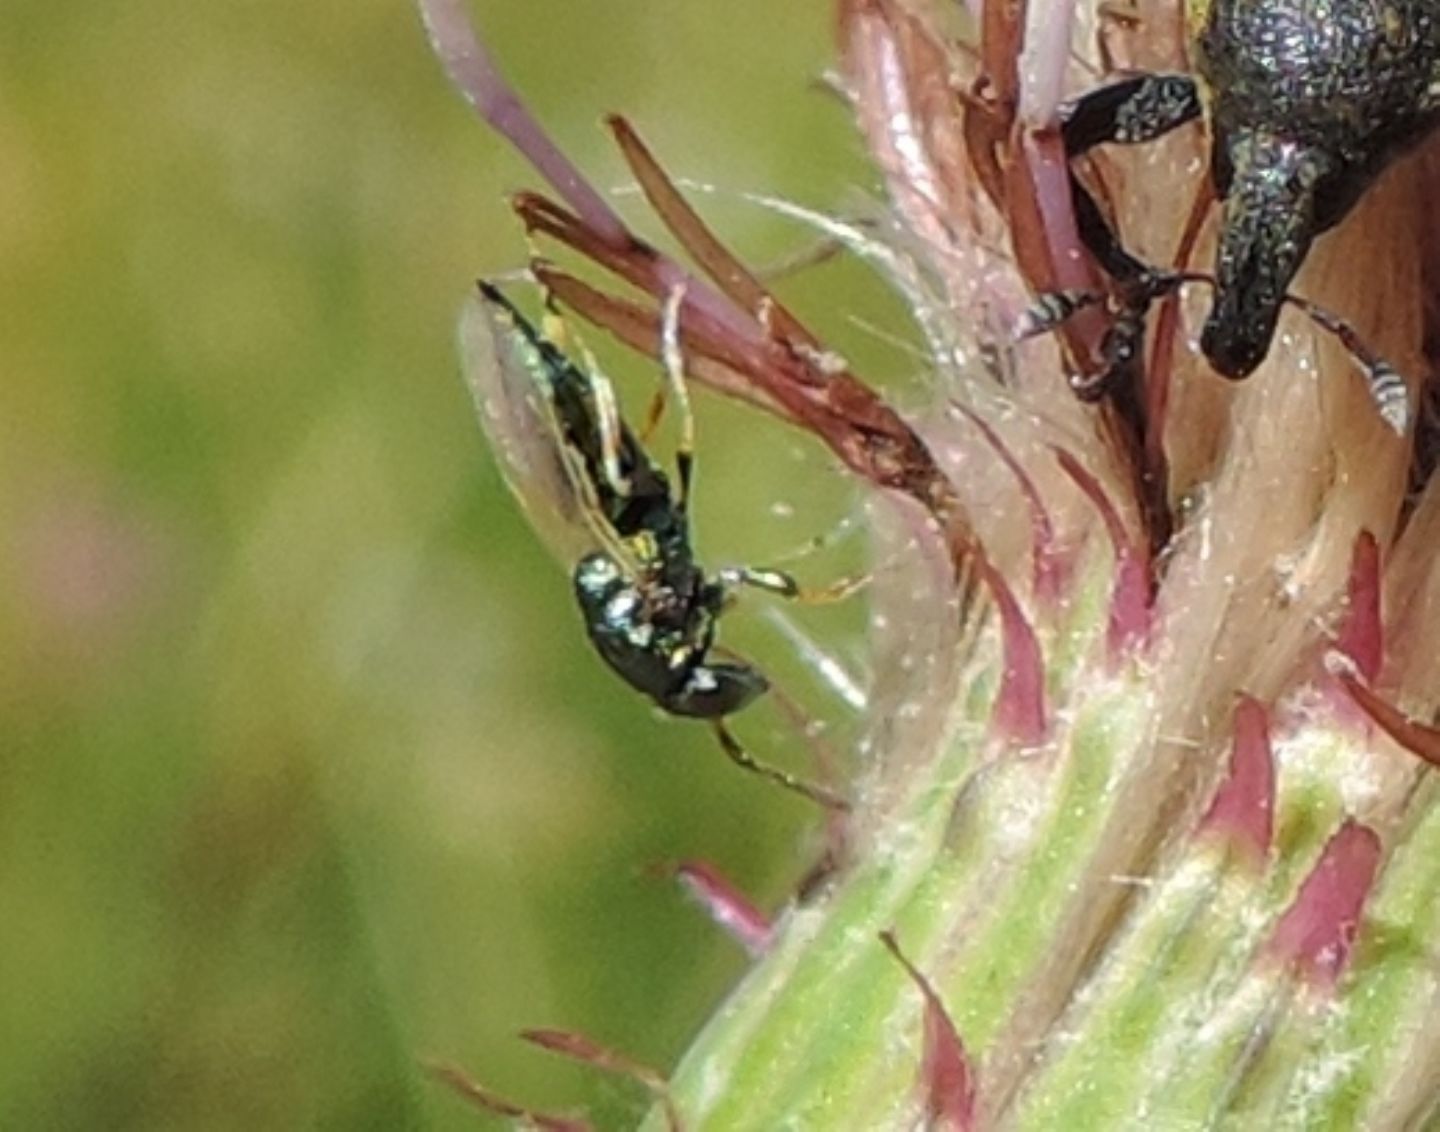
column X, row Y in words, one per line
column 601, row 502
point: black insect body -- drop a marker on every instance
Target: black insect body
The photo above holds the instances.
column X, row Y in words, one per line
column 649, row 608
column 1307, row 102
column 657, row 635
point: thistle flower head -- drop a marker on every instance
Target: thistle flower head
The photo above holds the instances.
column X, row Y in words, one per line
column 1139, row 792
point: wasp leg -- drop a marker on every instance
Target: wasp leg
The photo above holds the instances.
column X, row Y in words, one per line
column 784, row 585
column 1100, row 239
column 673, row 361
column 1129, row 112
column 843, row 528
column 743, row 758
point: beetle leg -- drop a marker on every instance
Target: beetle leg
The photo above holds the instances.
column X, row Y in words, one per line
column 1137, row 286
column 1122, row 347
column 1099, row 238
column 1129, row 112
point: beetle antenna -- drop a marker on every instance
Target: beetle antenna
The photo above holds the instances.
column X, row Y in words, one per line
column 1387, row 388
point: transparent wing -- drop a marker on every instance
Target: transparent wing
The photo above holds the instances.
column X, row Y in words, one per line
column 507, row 380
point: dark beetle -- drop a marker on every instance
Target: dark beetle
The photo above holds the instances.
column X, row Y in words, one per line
column 1307, row 102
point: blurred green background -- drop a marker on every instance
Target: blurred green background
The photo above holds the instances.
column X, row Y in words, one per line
column 308, row 771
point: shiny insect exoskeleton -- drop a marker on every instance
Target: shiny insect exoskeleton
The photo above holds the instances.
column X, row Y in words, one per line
column 588, row 484
column 1307, row 102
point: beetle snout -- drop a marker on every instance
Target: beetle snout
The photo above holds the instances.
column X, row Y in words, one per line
column 1235, row 341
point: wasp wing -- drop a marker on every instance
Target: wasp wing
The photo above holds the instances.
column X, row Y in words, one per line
column 513, row 383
